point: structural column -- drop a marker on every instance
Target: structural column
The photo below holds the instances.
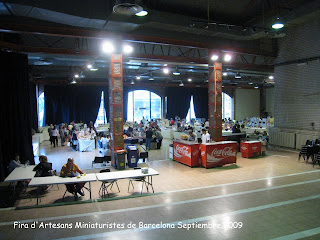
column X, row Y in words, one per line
column 116, row 103
column 215, row 101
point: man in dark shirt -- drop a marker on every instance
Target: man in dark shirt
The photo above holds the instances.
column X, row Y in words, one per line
column 149, row 134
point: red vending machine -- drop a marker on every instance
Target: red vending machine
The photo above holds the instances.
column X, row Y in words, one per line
column 218, row 153
column 250, row 149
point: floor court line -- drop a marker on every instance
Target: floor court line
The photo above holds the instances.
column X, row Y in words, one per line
column 160, row 205
column 195, row 220
column 247, row 181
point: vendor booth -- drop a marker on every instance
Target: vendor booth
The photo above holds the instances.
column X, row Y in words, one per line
column 186, row 152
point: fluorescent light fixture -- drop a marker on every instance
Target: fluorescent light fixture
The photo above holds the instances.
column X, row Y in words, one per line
column 176, row 72
column 142, row 13
column 227, row 57
column 165, row 65
column 151, row 78
column 94, row 68
column 76, row 76
column 189, row 80
column 73, row 81
column 107, row 47
column 278, row 24
column 271, row 77
column 127, row 49
column 166, row 70
column 256, row 86
column 181, row 84
column 225, row 74
column 138, row 77
column 214, row 57
column 237, row 75
column 89, row 66
column 250, row 83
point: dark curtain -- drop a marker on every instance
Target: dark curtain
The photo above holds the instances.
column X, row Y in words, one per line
column 33, row 105
column 72, row 103
column 178, row 101
column 200, row 100
column 125, row 102
column 15, row 118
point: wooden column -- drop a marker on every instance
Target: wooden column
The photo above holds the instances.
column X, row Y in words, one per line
column 116, row 103
column 215, row 101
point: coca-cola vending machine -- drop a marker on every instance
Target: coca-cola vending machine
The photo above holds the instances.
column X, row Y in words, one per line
column 218, row 153
column 187, row 153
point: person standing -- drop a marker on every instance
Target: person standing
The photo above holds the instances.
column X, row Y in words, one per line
column 50, row 129
column 55, row 136
column 149, row 134
column 159, row 137
column 192, row 136
column 205, row 136
column 62, row 135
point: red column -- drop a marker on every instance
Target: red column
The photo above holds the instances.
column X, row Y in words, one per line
column 116, row 103
column 215, row 101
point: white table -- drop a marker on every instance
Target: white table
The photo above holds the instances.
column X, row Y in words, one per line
column 51, row 180
column 108, row 176
column 86, row 145
column 20, row 174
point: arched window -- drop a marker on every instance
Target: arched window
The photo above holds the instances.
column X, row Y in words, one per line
column 41, row 120
column 142, row 103
column 227, row 106
column 102, row 116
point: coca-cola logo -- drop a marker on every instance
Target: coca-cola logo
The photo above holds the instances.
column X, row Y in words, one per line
column 254, row 148
column 203, row 153
column 181, row 151
column 225, row 152
column 244, row 148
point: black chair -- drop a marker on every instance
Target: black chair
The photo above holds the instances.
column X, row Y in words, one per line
column 106, row 184
column 105, row 159
column 138, row 179
column 316, row 159
column 306, row 151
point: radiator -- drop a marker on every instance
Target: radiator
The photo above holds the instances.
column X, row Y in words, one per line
column 282, row 139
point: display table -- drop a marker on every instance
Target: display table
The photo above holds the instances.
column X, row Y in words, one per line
column 250, row 149
column 86, row 145
column 167, row 133
column 186, row 152
column 218, row 153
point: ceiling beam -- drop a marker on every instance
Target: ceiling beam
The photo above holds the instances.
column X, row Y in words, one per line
column 96, row 34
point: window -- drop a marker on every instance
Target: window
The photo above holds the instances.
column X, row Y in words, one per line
column 191, row 113
column 143, row 104
column 102, row 117
column 41, row 107
column 227, row 106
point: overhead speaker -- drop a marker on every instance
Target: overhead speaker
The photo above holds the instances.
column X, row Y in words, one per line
column 127, row 7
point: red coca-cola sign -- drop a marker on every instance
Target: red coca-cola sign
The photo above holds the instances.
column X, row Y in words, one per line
column 182, row 151
column 218, row 154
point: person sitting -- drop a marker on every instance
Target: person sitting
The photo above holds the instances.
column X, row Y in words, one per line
column 43, row 169
column 70, row 169
column 192, row 136
column 14, row 163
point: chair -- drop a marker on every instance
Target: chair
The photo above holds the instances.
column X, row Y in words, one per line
column 305, row 151
column 144, row 154
column 316, row 159
column 138, row 179
column 106, row 184
column 103, row 160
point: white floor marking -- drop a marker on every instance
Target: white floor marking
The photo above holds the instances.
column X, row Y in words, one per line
column 159, row 205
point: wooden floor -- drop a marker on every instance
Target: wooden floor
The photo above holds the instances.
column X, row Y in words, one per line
column 263, row 198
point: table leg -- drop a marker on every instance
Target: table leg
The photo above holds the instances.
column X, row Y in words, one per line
column 90, row 189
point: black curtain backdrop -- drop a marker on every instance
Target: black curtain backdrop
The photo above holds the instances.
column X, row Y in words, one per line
column 200, row 100
column 73, row 103
column 33, row 105
column 15, row 118
column 178, row 101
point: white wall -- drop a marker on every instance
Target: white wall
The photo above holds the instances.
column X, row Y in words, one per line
column 246, row 103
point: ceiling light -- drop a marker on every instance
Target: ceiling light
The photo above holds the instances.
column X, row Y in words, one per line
column 176, row 72
column 227, row 57
column 165, row 65
column 127, row 49
column 132, row 82
column 277, row 24
column 214, row 57
column 181, row 84
column 107, row 47
column 271, row 77
column 76, row 76
column 256, row 86
column 73, row 81
column 189, row 80
column 166, row 70
column 237, row 75
column 225, row 74
column 138, row 77
column 94, row 68
column 89, row 66
column 142, row 13
column 151, row 77
column 244, row 29
column 250, row 83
